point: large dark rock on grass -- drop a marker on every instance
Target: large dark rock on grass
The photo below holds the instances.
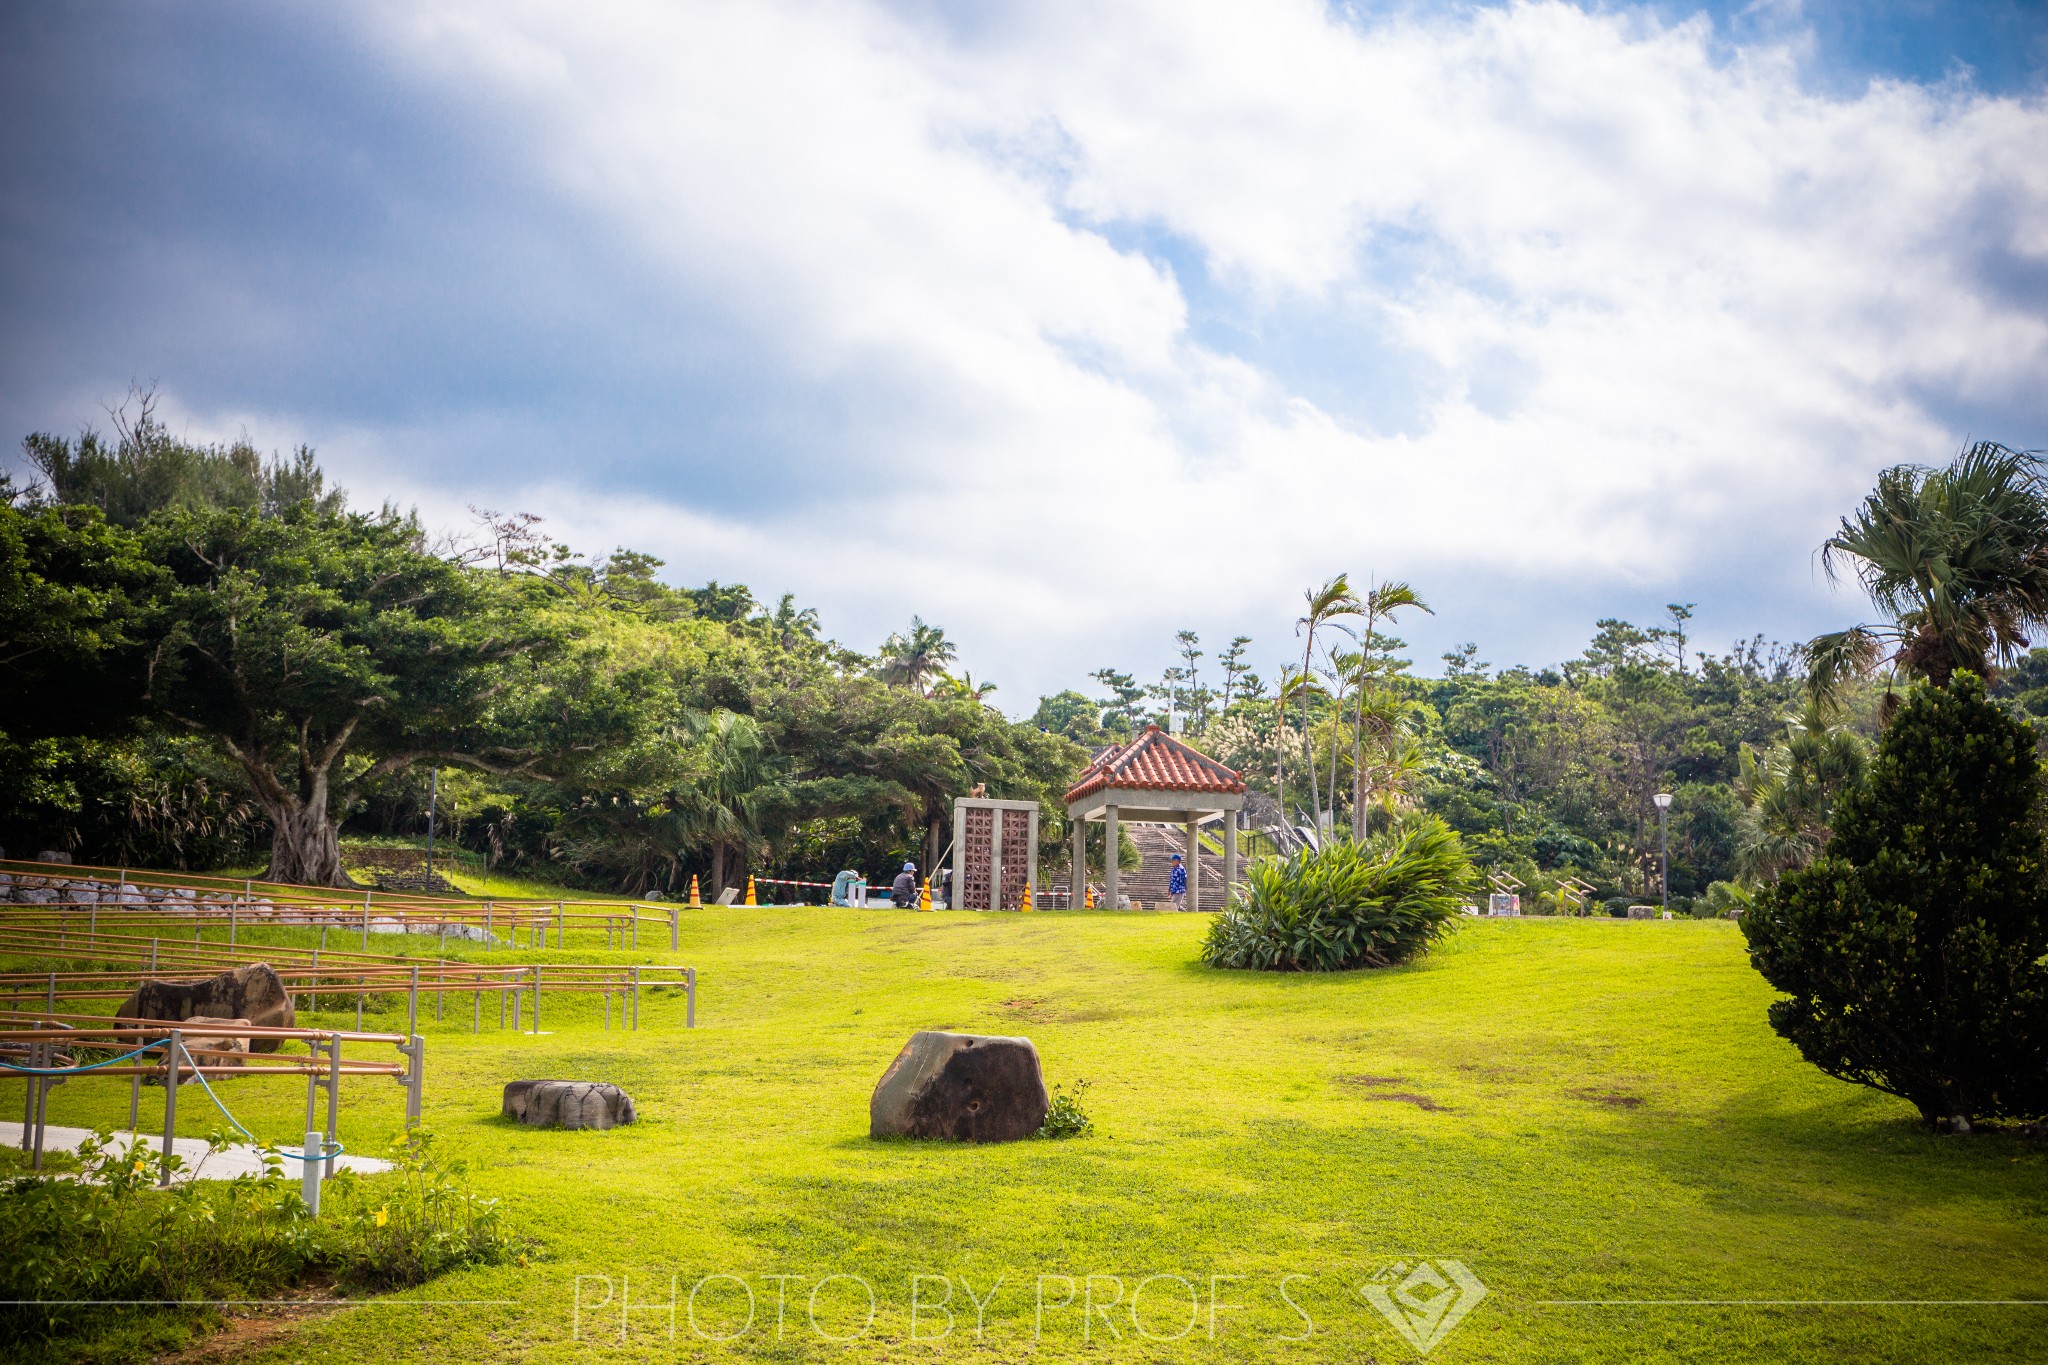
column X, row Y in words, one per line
column 254, row 994
column 964, row 1086
column 568, row 1104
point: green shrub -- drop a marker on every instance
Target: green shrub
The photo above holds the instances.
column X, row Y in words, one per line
column 1347, row 904
column 1065, row 1117
column 110, row 1233
column 1912, row 951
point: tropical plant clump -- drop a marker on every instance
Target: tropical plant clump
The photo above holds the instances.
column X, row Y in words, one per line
column 1349, row 903
column 1914, row 954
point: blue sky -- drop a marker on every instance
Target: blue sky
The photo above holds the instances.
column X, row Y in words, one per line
column 1064, row 326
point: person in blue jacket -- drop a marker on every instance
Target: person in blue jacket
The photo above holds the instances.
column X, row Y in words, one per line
column 904, row 890
column 1177, row 883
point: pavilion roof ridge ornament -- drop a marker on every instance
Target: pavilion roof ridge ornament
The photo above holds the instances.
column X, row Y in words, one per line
column 1156, row 761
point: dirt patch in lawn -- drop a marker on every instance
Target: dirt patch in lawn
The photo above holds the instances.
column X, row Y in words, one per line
column 1373, row 1088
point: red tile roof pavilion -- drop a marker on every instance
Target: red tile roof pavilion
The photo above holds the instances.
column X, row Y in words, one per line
column 1156, row 762
column 1155, row 779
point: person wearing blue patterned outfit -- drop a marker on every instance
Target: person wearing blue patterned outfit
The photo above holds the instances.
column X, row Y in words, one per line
column 1177, row 883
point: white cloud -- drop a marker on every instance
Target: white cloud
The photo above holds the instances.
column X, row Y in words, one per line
column 1681, row 308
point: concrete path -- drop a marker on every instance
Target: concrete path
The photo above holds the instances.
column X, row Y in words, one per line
column 240, row 1159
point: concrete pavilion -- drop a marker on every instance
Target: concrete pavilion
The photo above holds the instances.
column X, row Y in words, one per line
column 1155, row 779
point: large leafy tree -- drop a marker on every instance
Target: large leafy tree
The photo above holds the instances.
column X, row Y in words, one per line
column 322, row 652
column 1914, row 954
column 1957, row 557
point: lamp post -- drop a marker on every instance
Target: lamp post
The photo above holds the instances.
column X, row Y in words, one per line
column 1663, row 800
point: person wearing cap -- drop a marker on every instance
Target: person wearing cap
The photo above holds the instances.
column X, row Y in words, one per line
column 1177, row 883
column 904, row 890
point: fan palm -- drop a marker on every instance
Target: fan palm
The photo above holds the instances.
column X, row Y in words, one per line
column 1957, row 557
column 1789, row 792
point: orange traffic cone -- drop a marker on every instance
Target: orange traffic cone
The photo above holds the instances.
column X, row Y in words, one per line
column 1026, row 906
column 750, row 890
column 696, row 898
column 924, row 899
column 1089, row 899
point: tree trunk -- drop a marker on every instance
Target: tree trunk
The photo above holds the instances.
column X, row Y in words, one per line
column 305, row 846
column 717, row 866
column 931, row 845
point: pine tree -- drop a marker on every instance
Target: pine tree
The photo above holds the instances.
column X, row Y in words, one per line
column 1912, row 952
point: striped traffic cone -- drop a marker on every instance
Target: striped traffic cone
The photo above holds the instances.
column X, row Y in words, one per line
column 924, row 899
column 750, row 890
column 696, row 898
column 1090, row 899
column 1026, row 906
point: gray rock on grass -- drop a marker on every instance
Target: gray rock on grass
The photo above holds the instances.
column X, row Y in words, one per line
column 568, row 1104
column 963, row 1086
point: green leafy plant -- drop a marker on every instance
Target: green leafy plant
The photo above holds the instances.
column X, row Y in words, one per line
column 1347, row 904
column 1065, row 1118
column 1914, row 955
column 106, row 1262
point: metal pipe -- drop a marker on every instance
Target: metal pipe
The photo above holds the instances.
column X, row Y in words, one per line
column 689, row 997
column 172, row 1051
column 333, row 1104
column 536, row 997
column 415, row 1079
column 412, row 1003
column 40, row 1054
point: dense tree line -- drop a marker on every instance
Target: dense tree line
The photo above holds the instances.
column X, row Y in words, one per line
column 204, row 654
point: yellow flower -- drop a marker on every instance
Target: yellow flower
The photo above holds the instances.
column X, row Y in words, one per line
column 140, row 1168
column 383, row 1217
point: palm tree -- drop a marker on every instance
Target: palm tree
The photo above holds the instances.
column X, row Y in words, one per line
column 1957, row 557
column 1329, row 603
column 911, row 660
column 1789, row 793
column 1370, row 709
column 963, row 688
column 724, row 808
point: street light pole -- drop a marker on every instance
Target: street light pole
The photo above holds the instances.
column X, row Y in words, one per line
column 1663, row 800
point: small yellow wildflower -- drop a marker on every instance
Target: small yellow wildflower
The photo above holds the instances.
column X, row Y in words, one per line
column 382, row 1216
column 140, row 1168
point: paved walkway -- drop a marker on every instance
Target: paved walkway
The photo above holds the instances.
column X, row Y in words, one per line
column 240, row 1159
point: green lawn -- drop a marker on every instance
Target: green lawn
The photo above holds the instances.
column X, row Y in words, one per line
column 1574, row 1110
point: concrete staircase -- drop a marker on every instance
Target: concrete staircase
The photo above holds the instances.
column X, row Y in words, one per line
column 1157, row 844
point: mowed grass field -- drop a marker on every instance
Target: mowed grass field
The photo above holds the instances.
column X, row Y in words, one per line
column 1572, row 1110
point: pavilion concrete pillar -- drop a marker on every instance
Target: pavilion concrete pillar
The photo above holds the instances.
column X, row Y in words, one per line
column 1078, row 897
column 1194, row 862
column 1109, row 838
column 1229, row 854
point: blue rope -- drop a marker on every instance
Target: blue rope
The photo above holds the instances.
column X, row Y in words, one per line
column 336, row 1147
column 79, row 1070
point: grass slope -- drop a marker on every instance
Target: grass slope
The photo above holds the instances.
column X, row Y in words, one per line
column 1573, row 1109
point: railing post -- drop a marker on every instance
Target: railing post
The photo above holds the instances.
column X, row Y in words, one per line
column 40, row 1055
column 309, row 1168
column 366, row 929
column 50, row 1002
column 415, row 1078
column 234, row 921
column 171, row 1053
column 487, row 924
column 689, row 997
column 636, row 999
column 558, row 925
column 536, row 997
column 152, row 955
column 412, row 1002
column 675, row 927
column 333, row 1104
